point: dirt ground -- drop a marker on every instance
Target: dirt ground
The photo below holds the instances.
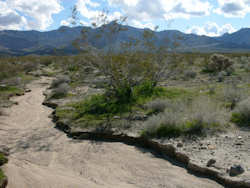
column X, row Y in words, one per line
column 43, row 157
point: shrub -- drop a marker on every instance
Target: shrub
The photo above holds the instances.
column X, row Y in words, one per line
column 218, row 63
column 232, row 95
column 247, row 67
column 2, row 176
column 241, row 114
column 166, row 124
column 29, row 66
column 158, row 105
column 3, row 159
column 189, row 74
column 180, row 118
column 59, row 80
column 60, row 91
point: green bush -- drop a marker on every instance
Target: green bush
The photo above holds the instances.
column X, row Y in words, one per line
column 2, row 176
column 3, row 159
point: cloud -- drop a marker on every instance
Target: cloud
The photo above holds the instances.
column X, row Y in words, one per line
column 233, row 8
column 140, row 12
column 91, row 12
column 146, row 10
column 28, row 14
column 138, row 24
column 85, row 7
column 211, row 29
column 69, row 21
column 10, row 19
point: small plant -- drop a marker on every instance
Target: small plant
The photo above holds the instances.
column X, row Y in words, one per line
column 241, row 114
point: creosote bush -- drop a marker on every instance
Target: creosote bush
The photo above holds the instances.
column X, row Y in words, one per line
column 121, row 102
column 241, row 114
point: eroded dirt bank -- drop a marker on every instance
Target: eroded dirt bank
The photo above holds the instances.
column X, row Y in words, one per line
column 41, row 156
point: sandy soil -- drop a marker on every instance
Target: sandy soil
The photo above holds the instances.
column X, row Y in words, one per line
column 43, row 157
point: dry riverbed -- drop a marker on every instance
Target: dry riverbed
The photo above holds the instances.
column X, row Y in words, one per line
column 42, row 156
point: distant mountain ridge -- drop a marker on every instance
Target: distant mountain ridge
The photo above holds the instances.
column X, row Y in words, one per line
column 60, row 41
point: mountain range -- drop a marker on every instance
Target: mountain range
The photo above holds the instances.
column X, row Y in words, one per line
column 60, row 41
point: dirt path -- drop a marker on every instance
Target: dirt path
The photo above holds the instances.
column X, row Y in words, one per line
column 43, row 157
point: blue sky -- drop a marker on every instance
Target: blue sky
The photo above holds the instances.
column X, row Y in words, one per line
column 203, row 17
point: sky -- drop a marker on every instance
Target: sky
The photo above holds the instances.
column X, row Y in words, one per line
column 202, row 17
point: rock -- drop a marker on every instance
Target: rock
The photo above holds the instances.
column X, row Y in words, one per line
column 4, row 150
column 203, row 147
column 27, row 90
column 236, row 170
column 179, row 144
column 238, row 143
column 211, row 147
column 239, row 137
column 211, row 162
column 3, row 182
column 181, row 157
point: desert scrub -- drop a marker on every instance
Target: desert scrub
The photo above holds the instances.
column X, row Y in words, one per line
column 232, row 94
column 183, row 118
column 156, row 106
column 60, row 91
column 241, row 114
column 103, row 107
column 189, row 74
column 218, row 63
column 60, row 80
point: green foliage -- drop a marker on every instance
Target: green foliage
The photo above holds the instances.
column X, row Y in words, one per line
column 2, row 176
column 239, row 119
column 163, row 131
column 3, row 159
column 7, row 91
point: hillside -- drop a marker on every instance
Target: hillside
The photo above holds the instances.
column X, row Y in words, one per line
column 60, row 40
